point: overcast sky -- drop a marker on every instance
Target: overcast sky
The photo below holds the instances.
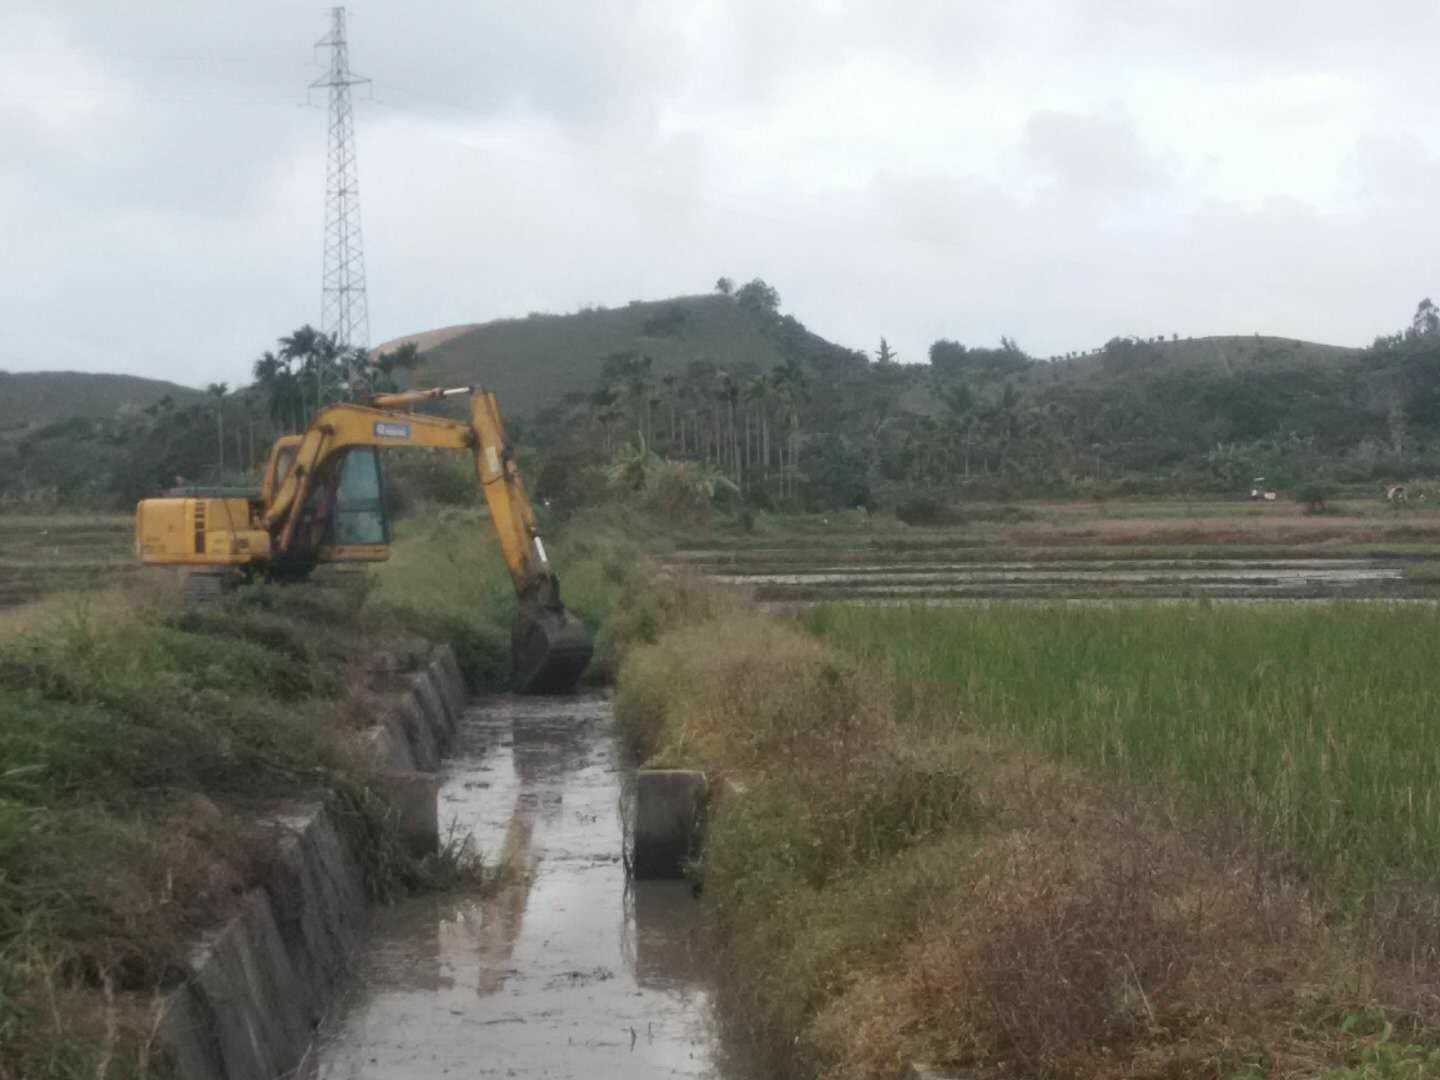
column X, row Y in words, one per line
column 1058, row 172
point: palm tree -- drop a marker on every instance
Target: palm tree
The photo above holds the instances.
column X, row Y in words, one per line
column 218, row 392
column 602, row 408
column 299, row 348
column 406, row 358
column 285, row 396
column 322, row 362
column 960, row 403
column 670, row 381
column 700, row 375
column 761, row 392
column 790, row 385
column 730, row 395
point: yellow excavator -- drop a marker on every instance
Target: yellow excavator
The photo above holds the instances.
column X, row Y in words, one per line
column 321, row 500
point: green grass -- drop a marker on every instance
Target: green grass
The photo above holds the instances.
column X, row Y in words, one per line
column 1318, row 725
column 445, row 579
column 133, row 739
column 138, row 743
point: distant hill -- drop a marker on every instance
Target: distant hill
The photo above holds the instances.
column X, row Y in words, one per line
column 1229, row 353
column 535, row 361
column 31, row 399
column 425, row 339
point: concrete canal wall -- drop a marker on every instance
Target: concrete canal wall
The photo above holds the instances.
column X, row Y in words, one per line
column 258, row 987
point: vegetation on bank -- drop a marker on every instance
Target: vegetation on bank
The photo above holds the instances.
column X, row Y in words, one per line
column 731, row 383
column 141, row 747
column 913, row 859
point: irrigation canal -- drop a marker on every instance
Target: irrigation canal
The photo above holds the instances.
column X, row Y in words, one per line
column 566, row 971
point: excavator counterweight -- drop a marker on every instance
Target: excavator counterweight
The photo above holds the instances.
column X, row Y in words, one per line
column 321, row 501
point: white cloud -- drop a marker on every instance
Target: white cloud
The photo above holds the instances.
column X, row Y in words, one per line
column 1055, row 171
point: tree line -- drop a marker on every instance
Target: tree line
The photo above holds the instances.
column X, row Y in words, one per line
column 825, row 426
column 829, row 427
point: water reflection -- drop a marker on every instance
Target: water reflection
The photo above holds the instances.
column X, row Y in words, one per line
column 659, row 935
column 502, row 915
column 565, row 971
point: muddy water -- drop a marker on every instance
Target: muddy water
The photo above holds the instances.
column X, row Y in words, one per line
column 1066, row 579
column 566, row 971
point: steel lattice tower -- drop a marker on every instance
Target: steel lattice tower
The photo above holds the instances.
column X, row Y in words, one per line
column 344, row 314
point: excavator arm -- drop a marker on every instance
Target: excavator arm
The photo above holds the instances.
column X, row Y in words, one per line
column 293, row 523
column 549, row 646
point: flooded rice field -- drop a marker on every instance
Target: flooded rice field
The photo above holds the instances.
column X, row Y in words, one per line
column 40, row 556
column 816, row 576
column 568, row 970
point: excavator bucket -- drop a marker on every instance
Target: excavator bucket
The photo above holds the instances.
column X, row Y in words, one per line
column 549, row 650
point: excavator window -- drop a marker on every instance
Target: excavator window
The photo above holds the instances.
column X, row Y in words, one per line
column 359, row 516
column 283, row 461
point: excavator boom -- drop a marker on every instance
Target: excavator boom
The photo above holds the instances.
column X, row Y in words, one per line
column 292, row 525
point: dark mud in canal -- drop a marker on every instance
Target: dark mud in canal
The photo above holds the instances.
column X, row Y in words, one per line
column 568, row 970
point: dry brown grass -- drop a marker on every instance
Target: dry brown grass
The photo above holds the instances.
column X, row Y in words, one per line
column 895, row 887
column 723, row 692
column 1089, row 930
column 127, row 600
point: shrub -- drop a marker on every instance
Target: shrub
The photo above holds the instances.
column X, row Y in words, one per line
column 1314, row 496
column 921, row 510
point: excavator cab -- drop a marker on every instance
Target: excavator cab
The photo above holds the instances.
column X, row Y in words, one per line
column 322, row 499
column 343, row 517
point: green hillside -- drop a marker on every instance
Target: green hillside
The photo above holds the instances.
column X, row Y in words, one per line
column 1230, row 353
column 730, row 382
column 30, row 399
column 533, row 362
column 59, row 430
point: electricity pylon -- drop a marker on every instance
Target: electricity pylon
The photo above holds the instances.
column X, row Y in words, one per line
column 344, row 313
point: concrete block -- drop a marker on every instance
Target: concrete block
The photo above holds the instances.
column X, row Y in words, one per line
column 433, row 708
column 438, row 680
column 416, row 798
column 238, row 1017
column 318, row 897
column 389, row 745
column 424, row 743
column 259, row 986
column 669, row 818
column 456, row 676
column 452, row 683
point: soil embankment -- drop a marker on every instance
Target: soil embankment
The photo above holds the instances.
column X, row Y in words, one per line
column 912, row 875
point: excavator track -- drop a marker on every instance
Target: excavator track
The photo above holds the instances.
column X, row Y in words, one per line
column 549, row 650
